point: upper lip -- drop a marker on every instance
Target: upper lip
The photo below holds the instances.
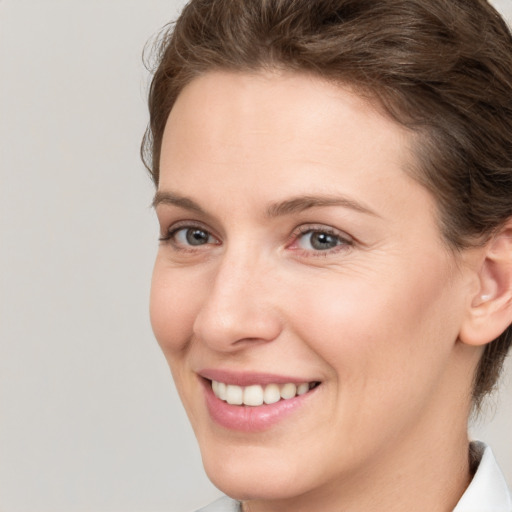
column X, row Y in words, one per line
column 247, row 378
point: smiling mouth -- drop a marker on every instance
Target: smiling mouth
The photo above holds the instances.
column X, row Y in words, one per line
column 256, row 395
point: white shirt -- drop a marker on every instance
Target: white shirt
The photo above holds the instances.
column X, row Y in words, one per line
column 487, row 492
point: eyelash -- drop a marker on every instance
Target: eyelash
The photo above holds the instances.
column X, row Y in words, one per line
column 344, row 241
column 171, row 234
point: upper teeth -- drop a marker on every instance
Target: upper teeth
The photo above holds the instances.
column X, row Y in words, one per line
column 257, row 395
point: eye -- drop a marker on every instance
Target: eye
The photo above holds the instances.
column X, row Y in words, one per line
column 319, row 240
column 188, row 237
column 192, row 236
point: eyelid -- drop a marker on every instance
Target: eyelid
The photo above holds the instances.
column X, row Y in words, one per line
column 186, row 224
column 345, row 238
column 346, row 241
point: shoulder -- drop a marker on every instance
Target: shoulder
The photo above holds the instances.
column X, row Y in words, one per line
column 488, row 491
column 223, row 504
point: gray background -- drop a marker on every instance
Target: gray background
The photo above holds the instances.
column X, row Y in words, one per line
column 89, row 419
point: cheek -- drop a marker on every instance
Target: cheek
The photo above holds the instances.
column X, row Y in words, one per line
column 377, row 329
column 172, row 308
column 173, row 305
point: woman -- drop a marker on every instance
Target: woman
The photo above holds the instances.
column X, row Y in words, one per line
column 333, row 287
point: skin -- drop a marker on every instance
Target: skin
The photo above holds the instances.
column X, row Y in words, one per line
column 376, row 319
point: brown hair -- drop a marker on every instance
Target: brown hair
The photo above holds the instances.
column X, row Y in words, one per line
column 443, row 68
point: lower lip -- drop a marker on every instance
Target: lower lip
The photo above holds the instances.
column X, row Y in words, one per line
column 246, row 418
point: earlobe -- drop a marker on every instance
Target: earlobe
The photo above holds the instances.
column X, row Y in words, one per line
column 490, row 311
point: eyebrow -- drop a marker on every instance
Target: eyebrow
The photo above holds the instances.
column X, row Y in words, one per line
column 301, row 203
column 176, row 200
column 294, row 205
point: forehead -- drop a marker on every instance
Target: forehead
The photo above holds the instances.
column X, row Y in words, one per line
column 270, row 136
column 272, row 114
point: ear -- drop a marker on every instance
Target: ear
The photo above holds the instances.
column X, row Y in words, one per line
column 490, row 310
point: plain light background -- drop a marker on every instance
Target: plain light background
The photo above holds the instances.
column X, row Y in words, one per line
column 89, row 419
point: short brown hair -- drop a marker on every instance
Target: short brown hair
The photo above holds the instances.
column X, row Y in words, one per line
column 443, row 68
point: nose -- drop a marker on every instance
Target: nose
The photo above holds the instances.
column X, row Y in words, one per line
column 239, row 306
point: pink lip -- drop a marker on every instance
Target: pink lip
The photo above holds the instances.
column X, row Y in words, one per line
column 245, row 418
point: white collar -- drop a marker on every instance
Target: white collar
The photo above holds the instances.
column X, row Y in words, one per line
column 488, row 491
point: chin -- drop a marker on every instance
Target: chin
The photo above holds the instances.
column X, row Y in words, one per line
column 252, row 485
column 245, row 474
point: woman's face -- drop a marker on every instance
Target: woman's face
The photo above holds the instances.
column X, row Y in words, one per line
column 297, row 250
